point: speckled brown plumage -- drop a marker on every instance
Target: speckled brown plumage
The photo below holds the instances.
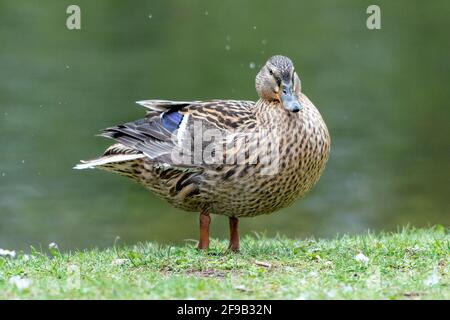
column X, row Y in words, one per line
column 284, row 120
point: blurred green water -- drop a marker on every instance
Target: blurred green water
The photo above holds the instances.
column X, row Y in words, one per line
column 384, row 95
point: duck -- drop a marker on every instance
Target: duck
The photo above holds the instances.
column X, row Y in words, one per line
column 235, row 158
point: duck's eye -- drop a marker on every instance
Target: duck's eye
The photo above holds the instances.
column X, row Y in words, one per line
column 271, row 72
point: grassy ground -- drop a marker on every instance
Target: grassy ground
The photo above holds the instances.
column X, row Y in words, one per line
column 410, row 264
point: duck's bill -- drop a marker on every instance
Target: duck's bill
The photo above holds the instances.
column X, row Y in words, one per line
column 289, row 100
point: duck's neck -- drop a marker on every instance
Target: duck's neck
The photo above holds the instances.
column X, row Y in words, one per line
column 272, row 113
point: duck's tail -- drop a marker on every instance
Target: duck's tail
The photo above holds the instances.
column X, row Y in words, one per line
column 114, row 154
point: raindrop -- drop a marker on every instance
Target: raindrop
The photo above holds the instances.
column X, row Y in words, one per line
column 150, row 16
column 206, row 13
column 254, row 27
column 3, row 174
column 227, row 47
column 23, row 161
column 6, row 114
column 67, row 67
column 264, row 41
column 252, row 65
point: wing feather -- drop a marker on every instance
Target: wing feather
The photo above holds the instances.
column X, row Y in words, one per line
column 170, row 124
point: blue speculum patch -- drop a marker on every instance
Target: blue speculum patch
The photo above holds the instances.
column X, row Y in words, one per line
column 171, row 120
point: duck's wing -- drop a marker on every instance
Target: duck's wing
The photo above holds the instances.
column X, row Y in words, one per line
column 170, row 128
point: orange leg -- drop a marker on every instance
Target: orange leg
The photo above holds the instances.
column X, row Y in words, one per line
column 205, row 220
column 234, row 235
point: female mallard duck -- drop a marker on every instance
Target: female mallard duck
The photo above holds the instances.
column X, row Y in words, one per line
column 235, row 158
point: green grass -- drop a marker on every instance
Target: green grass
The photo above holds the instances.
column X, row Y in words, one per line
column 410, row 264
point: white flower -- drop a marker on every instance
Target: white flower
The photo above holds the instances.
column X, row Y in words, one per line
column 360, row 257
column 415, row 249
column 313, row 274
column 432, row 279
column 119, row 262
column 53, row 245
column 19, row 282
column 241, row 288
column 7, row 253
column 26, row 257
column 331, row 293
column 347, row 288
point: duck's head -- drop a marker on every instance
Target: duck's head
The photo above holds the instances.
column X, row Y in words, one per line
column 278, row 81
